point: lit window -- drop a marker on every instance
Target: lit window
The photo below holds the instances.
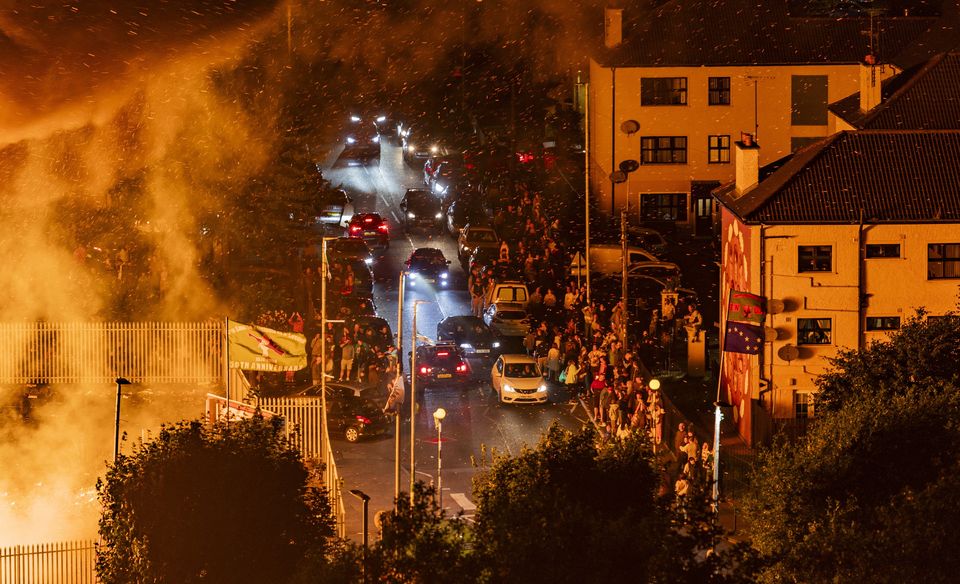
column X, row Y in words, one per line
column 814, row 258
column 883, row 250
column 719, row 91
column 663, row 91
column 663, row 150
column 943, row 261
column 814, row 331
column 802, row 404
column 883, row 323
column 718, row 149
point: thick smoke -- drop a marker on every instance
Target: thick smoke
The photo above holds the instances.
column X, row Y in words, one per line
column 133, row 121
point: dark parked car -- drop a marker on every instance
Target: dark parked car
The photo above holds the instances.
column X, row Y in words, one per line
column 441, row 365
column 428, row 264
column 421, row 209
column 353, row 410
column 371, row 228
column 348, row 248
column 470, row 334
column 465, row 210
column 374, row 329
column 482, row 256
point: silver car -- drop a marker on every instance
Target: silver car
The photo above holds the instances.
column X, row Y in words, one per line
column 508, row 319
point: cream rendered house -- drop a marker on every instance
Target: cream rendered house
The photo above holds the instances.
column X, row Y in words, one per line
column 847, row 238
column 697, row 74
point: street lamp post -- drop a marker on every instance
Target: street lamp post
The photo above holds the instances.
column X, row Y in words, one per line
column 413, row 398
column 438, row 417
column 396, row 432
column 121, row 381
column 365, row 499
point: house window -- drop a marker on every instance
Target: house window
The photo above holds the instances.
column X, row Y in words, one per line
column 883, row 250
column 943, row 261
column 814, row 258
column 809, row 100
column 719, row 90
column 883, row 323
column 663, row 150
column 663, row 91
column 814, row 331
column 663, row 207
column 718, row 149
column 802, row 404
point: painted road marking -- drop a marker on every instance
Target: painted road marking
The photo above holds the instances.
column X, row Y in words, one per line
column 463, row 501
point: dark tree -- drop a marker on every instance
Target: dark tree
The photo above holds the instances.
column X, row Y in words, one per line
column 925, row 351
column 569, row 511
column 866, row 495
column 210, row 504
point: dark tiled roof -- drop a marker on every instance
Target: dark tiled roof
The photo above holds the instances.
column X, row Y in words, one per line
column 744, row 32
column 923, row 98
column 893, row 176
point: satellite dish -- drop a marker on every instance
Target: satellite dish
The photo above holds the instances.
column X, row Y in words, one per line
column 618, row 176
column 630, row 127
column 769, row 334
column 629, row 166
column 775, row 306
column 788, row 353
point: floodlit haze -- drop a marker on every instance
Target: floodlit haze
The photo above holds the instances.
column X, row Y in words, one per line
column 164, row 110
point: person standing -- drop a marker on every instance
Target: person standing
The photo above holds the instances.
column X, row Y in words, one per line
column 347, row 354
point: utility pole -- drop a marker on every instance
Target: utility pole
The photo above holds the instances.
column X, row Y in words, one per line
column 396, row 434
column 586, row 178
column 624, row 311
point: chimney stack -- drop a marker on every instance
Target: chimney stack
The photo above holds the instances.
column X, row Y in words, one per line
column 612, row 27
column 869, row 84
column 747, row 163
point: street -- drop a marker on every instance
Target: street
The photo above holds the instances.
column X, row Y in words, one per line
column 475, row 422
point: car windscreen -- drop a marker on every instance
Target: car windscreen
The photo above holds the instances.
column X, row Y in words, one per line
column 482, row 235
column 423, row 203
column 422, row 262
column 521, row 370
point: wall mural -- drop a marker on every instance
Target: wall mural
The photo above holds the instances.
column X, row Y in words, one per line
column 736, row 377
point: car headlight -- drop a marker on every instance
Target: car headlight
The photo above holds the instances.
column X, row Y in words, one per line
column 412, row 275
column 466, row 346
column 411, row 148
column 381, row 119
column 507, row 387
column 496, row 344
column 351, row 140
column 434, row 149
column 438, row 216
column 411, row 215
column 368, row 261
column 376, row 138
column 354, row 118
column 543, row 387
column 444, row 275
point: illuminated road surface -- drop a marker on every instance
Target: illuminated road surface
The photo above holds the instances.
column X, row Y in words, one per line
column 474, row 418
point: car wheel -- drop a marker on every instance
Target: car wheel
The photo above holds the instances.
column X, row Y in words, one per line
column 352, row 434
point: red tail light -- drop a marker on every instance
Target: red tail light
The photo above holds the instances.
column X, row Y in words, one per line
column 382, row 227
column 354, row 229
column 442, row 353
column 368, row 219
column 363, row 420
column 425, row 370
column 463, row 367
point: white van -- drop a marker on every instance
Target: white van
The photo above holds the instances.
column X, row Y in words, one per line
column 606, row 258
column 510, row 291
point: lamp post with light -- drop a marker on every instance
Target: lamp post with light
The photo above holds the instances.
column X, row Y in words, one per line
column 438, row 417
column 121, row 381
column 413, row 398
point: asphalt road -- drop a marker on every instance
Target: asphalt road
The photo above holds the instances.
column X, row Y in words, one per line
column 475, row 423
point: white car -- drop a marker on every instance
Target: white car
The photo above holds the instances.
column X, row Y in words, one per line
column 508, row 319
column 516, row 378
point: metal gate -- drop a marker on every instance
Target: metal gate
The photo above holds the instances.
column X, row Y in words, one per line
column 100, row 352
column 54, row 563
column 304, row 424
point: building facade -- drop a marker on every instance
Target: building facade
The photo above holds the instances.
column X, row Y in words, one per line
column 695, row 76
